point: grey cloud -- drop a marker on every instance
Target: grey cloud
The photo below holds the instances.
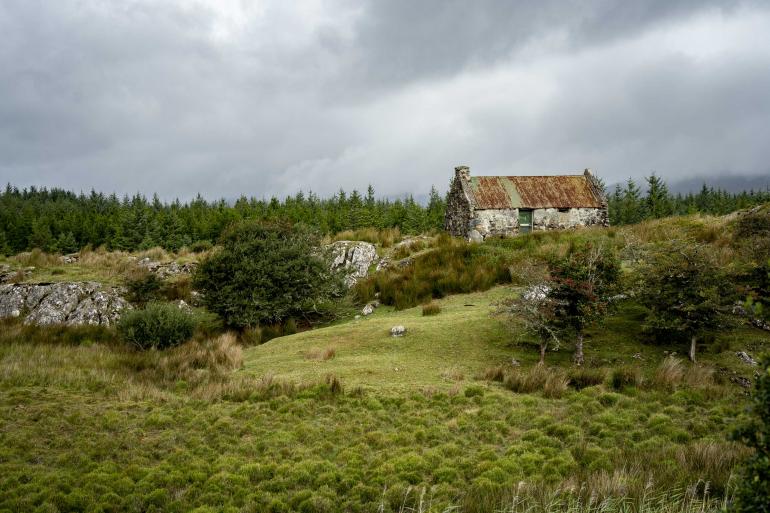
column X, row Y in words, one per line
column 178, row 98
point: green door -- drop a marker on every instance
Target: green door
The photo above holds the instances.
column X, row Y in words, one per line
column 525, row 221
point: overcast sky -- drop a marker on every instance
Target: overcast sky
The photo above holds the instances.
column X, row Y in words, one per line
column 229, row 97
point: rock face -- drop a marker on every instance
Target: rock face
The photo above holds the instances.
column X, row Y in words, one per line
column 61, row 303
column 354, row 258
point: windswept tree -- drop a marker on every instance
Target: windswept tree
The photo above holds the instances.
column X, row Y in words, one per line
column 581, row 284
column 535, row 312
column 684, row 291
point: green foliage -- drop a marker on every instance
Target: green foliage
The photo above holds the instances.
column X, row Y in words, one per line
column 265, row 274
column 143, row 287
column 753, row 493
column 683, row 289
column 453, row 267
column 625, row 376
column 57, row 220
column 628, row 205
column 157, row 326
column 580, row 286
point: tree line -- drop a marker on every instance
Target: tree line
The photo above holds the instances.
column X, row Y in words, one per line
column 630, row 204
column 57, row 220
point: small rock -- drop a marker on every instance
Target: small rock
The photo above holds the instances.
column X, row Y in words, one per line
column 397, row 331
column 368, row 310
column 746, row 358
column 182, row 305
column 637, row 356
column 475, row 236
column 15, row 313
column 515, row 362
column 357, row 317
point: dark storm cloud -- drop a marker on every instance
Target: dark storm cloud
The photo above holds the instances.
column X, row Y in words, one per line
column 223, row 97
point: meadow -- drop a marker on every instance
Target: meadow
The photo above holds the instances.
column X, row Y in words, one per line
column 454, row 416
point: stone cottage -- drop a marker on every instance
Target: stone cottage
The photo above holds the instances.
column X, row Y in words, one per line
column 487, row 206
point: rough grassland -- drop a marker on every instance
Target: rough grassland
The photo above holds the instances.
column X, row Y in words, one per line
column 464, row 337
column 93, row 427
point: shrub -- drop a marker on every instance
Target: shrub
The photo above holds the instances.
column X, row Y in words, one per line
column 753, row 493
column 265, row 274
column 625, row 376
column 157, row 326
column 143, row 287
column 431, row 308
column 201, row 246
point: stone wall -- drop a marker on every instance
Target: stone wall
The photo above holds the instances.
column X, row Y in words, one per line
column 459, row 211
column 505, row 222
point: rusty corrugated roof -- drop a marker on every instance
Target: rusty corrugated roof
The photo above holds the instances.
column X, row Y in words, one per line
column 569, row 191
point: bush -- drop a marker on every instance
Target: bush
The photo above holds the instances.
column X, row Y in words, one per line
column 201, row 246
column 143, row 287
column 157, row 326
column 753, row 493
column 265, row 274
column 431, row 308
column 625, row 376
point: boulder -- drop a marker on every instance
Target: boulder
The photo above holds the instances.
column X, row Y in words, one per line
column 746, row 358
column 353, row 258
column 70, row 303
column 397, row 331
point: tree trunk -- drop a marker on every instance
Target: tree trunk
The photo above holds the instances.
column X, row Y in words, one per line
column 579, row 350
column 543, row 347
column 693, row 341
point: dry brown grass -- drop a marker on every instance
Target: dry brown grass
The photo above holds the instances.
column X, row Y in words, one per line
column 385, row 237
column 709, row 457
column 36, row 258
column 669, row 373
column 321, row 354
column 453, row 374
column 431, row 308
column 496, row 373
column 552, row 381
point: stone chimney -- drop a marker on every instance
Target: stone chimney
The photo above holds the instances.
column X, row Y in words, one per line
column 463, row 172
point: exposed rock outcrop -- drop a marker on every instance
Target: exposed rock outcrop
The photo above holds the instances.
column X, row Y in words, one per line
column 354, row 258
column 165, row 270
column 71, row 303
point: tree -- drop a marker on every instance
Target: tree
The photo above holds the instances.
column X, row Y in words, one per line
column 536, row 312
column 657, row 203
column 581, row 284
column 683, row 289
column 753, row 491
column 265, row 274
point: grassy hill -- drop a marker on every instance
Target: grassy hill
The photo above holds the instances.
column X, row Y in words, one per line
column 347, row 418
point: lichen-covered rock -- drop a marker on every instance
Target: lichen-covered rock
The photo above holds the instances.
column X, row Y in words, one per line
column 165, row 270
column 353, row 258
column 71, row 303
column 397, row 331
column 368, row 310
